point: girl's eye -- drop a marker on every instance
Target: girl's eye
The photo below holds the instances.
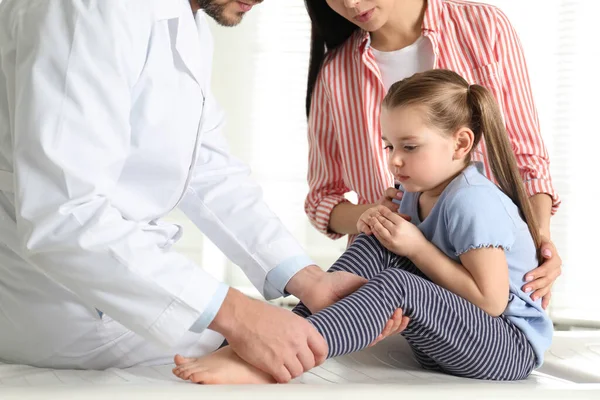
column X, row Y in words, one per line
column 389, row 147
column 410, row 148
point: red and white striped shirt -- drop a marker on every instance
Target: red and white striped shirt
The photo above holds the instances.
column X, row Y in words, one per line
column 345, row 146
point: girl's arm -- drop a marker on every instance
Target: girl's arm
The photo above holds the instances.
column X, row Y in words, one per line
column 479, row 229
column 482, row 279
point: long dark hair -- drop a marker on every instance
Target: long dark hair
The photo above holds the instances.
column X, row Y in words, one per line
column 451, row 103
column 329, row 30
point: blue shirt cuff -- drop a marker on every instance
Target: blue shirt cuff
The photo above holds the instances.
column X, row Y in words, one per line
column 211, row 310
column 279, row 276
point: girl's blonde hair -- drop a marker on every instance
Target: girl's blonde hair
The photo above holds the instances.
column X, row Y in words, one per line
column 450, row 103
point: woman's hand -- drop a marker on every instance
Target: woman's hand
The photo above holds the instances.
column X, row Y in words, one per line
column 391, row 199
column 540, row 280
column 393, row 231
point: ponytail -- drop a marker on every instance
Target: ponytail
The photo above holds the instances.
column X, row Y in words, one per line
column 487, row 119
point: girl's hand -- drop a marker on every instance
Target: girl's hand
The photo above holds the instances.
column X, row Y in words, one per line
column 385, row 201
column 395, row 325
column 393, row 231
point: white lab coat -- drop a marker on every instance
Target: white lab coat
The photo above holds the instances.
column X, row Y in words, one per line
column 106, row 124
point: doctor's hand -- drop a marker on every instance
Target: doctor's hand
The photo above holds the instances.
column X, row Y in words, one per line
column 272, row 339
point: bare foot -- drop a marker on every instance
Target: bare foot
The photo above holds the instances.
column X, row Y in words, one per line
column 221, row 367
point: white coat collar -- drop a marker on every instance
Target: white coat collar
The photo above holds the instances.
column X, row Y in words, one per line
column 184, row 33
column 167, row 9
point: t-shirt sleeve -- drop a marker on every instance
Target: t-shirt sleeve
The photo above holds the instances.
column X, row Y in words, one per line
column 477, row 218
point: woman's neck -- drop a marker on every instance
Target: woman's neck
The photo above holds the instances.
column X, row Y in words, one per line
column 403, row 27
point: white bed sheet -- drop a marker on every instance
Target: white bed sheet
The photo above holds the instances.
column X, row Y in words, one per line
column 571, row 370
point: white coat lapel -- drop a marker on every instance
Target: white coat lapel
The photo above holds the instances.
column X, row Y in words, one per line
column 184, row 34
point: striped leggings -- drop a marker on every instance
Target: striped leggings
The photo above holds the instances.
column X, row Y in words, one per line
column 446, row 332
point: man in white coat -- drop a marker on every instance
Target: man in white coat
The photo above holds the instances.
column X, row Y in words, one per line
column 107, row 123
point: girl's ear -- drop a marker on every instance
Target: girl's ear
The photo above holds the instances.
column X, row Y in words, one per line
column 463, row 143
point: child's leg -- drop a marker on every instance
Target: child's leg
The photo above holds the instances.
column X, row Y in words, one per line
column 366, row 257
column 445, row 329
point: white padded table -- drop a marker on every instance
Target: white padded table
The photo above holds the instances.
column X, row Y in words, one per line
column 571, row 371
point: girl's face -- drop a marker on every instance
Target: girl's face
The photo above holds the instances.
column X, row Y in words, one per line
column 369, row 15
column 419, row 156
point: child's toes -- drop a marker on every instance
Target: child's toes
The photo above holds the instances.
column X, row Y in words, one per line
column 179, row 359
column 186, row 373
column 202, row 377
column 179, row 372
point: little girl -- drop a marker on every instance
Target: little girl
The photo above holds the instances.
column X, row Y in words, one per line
column 457, row 268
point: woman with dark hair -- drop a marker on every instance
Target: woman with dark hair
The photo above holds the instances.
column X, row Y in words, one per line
column 359, row 49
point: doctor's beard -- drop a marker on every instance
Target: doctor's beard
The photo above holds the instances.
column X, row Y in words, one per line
column 217, row 10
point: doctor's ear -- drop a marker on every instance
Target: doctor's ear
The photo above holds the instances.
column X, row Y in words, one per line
column 463, row 143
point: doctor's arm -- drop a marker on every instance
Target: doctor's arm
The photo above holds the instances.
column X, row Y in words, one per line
column 228, row 206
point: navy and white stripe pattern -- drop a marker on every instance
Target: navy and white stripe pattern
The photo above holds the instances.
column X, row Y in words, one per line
column 446, row 332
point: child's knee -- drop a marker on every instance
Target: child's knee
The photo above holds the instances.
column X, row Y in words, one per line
column 364, row 238
column 369, row 242
column 395, row 275
column 393, row 284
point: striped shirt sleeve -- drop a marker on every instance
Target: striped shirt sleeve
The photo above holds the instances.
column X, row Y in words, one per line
column 325, row 176
column 520, row 114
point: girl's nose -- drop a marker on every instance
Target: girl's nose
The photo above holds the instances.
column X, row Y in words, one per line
column 395, row 162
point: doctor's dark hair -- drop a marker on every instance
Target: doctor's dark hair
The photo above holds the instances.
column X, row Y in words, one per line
column 329, row 30
column 450, row 103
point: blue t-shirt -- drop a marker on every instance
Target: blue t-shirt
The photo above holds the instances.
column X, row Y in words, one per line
column 472, row 212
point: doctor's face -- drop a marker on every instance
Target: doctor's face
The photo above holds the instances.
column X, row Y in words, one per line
column 227, row 12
